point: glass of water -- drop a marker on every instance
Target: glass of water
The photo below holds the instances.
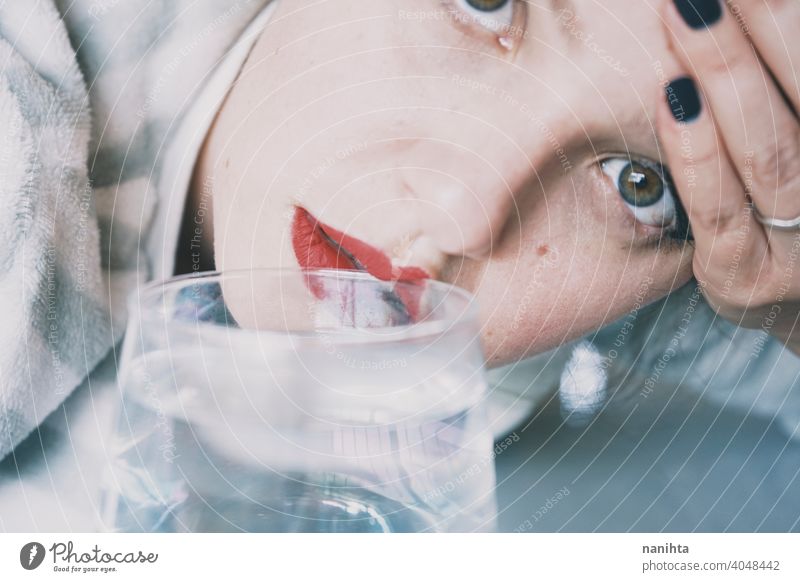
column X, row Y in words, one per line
column 301, row 401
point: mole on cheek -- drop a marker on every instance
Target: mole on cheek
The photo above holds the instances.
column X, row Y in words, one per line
column 542, row 250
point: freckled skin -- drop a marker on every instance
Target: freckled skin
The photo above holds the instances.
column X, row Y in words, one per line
column 427, row 139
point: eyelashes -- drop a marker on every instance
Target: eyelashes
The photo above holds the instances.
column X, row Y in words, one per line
column 494, row 15
column 487, row 5
column 503, row 21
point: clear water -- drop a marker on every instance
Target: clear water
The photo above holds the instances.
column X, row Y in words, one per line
column 230, row 446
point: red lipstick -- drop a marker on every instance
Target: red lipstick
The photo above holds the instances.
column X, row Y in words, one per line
column 319, row 246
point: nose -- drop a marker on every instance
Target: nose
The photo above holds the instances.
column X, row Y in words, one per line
column 471, row 220
column 470, row 192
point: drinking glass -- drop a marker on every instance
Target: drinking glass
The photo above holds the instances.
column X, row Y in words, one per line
column 301, row 401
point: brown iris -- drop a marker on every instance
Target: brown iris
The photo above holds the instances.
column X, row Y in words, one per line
column 640, row 186
column 487, row 5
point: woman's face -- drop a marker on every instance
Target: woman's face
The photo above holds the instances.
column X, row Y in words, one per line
column 505, row 146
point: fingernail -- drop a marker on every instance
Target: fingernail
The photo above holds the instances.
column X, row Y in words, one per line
column 699, row 13
column 684, row 100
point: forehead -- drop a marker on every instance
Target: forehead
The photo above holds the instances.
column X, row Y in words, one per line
column 593, row 67
column 608, row 61
column 613, row 36
column 595, row 56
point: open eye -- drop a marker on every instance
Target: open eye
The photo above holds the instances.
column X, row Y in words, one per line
column 496, row 15
column 645, row 189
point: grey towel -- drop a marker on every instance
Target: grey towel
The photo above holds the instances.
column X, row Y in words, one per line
column 83, row 136
column 55, row 315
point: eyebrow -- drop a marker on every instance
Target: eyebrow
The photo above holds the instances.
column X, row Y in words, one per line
column 566, row 26
column 562, row 5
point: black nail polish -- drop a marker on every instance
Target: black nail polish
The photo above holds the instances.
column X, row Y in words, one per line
column 684, row 100
column 699, row 13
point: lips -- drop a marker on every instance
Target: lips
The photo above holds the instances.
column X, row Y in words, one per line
column 320, row 246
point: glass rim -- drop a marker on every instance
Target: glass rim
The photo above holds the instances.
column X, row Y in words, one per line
column 378, row 334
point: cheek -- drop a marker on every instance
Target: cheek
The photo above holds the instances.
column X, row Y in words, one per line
column 558, row 290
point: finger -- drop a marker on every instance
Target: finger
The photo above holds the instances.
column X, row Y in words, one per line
column 707, row 184
column 760, row 133
column 773, row 28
